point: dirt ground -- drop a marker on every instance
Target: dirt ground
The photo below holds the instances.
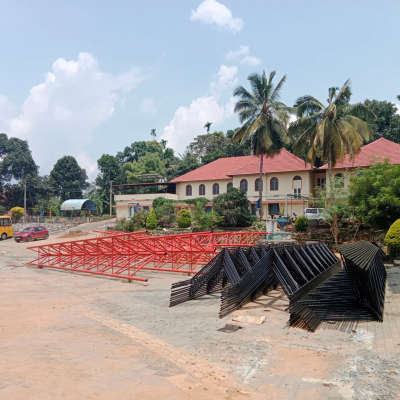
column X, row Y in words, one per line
column 72, row 336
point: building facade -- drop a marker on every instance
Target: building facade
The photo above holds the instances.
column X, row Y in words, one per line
column 287, row 182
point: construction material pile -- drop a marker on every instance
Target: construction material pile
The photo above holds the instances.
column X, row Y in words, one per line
column 124, row 255
column 311, row 276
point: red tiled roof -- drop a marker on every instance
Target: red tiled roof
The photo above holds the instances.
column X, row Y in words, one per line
column 371, row 153
column 225, row 168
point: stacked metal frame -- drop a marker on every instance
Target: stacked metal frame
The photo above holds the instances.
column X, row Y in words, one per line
column 356, row 293
column 123, row 255
column 227, row 267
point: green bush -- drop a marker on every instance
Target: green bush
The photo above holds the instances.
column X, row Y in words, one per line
column 139, row 219
column 184, row 218
column 301, row 223
column 233, row 208
column 203, row 220
column 165, row 211
column 17, row 213
column 392, row 239
column 151, row 220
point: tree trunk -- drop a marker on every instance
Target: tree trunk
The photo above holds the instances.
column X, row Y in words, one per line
column 261, row 186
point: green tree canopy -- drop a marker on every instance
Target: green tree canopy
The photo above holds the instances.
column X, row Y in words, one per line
column 375, row 194
column 68, row 178
column 383, row 118
column 233, row 209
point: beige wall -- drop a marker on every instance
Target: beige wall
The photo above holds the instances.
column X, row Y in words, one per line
column 125, row 201
column 181, row 189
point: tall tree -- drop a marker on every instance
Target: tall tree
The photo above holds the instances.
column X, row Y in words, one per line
column 383, row 118
column 68, row 178
column 109, row 170
column 329, row 132
column 264, row 118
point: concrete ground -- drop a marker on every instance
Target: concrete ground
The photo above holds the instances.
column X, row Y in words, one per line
column 72, row 336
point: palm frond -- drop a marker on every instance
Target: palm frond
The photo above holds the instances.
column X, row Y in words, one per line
column 278, row 87
column 307, row 105
column 343, row 96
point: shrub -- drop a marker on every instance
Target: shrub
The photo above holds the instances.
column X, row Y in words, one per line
column 139, row 219
column 301, row 223
column 17, row 213
column 151, row 220
column 392, row 239
column 233, row 208
column 165, row 211
column 203, row 220
column 184, row 218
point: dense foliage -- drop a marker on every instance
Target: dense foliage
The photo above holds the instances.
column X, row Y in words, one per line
column 301, row 223
column 17, row 213
column 68, row 179
column 184, row 218
column 151, row 220
column 392, row 238
column 374, row 193
column 233, row 208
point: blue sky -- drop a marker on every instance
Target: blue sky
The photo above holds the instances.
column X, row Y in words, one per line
column 89, row 77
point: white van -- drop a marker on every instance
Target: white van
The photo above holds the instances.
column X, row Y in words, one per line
column 315, row 213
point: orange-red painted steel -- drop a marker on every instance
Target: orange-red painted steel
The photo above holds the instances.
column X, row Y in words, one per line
column 123, row 255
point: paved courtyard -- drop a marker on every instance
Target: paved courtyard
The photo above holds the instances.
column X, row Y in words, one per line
column 72, row 336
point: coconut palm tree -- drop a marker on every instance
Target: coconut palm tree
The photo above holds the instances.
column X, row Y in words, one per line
column 329, row 132
column 207, row 125
column 264, row 118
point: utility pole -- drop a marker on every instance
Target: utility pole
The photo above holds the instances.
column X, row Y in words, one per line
column 24, row 200
column 110, row 198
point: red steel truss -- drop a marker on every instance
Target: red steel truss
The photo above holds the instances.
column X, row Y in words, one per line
column 123, row 255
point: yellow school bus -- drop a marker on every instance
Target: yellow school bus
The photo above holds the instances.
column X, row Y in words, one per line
column 6, row 229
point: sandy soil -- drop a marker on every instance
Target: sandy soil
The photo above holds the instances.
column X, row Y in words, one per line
column 72, row 336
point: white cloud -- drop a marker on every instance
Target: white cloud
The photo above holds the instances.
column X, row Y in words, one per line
column 88, row 163
column 226, row 78
column 398, row 108
column 60, row 115
column 251, row 60
column 188, row 122
column 147, row 106
column 243, row 56
column 213, row 12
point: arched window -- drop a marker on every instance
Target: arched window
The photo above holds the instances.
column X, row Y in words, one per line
column 229, row 186
column 274, row 184
column 215, row 188
column 243, row 185
column 258, row 184
column 202, row 190
column 339, row 180
column 188, row 190
column 297, row 182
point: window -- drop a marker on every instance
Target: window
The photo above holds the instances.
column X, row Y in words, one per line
column 274, row 184
column 229, row 186
column 215, row 188
column 5, row 222
column 321, row 182
column 273, row 209
column 202, row 190
column 188, row 190
column 243, row 185
column 258, row 184
column 339, row 180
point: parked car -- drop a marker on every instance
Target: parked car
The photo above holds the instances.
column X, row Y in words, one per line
column 32, row 233
column 318, row 214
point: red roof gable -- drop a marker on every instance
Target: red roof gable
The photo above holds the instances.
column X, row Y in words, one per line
column 377, row 151
column 225, row 168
